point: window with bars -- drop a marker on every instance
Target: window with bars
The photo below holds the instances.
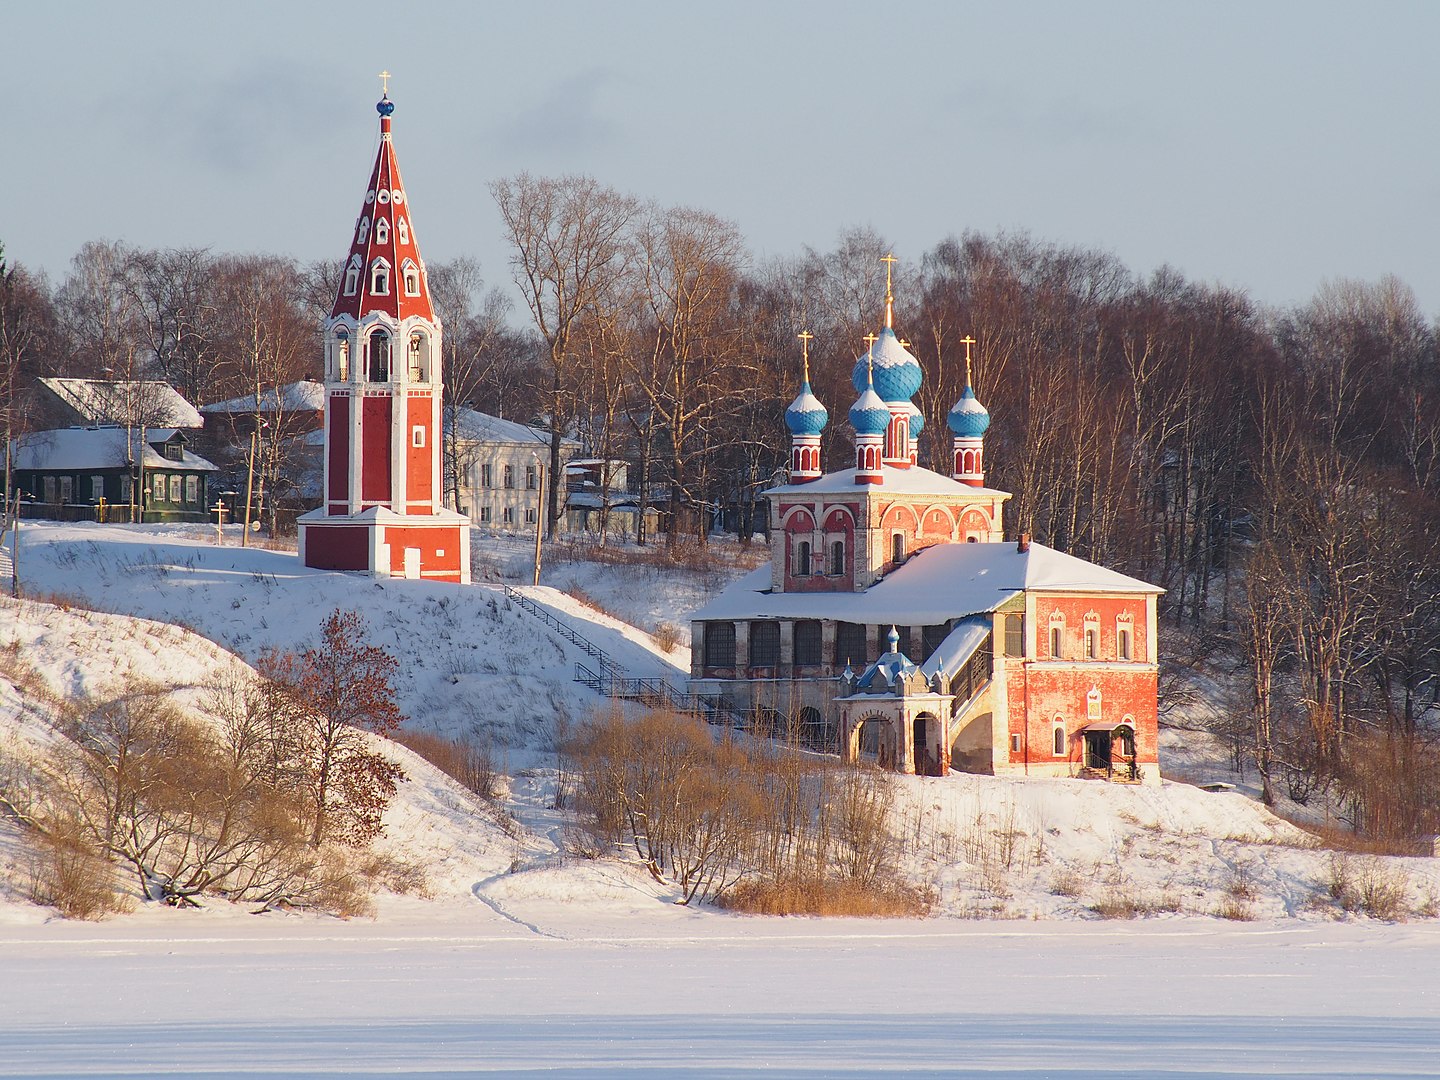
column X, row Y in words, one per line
column 808, row 648
column 850, row 645
column 1015, row 635
column 720, row 644
column 765, row 644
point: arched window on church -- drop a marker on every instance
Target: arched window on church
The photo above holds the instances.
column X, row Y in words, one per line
column 382, row 231
column 402, row 228
column 411, row 275
column 419, row 355
column 837, row 557
column 342, row 354
column 379, row 355
column 1057, row 636
column 1059, row 737
column 802, row 559
column 897, row 548
column 380, row 278
column 352, row 276
column 362, row 230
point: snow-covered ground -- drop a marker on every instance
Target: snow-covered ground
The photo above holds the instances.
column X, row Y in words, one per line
column 516, row 957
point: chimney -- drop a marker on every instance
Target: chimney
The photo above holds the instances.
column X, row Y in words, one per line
column 1023, row 545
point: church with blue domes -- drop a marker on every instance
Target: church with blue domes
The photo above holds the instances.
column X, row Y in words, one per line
column 895, row 624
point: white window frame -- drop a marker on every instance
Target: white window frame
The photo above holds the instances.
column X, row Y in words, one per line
column 382, row 231
column 417, row 437
column 379, row 278
column 192, row 489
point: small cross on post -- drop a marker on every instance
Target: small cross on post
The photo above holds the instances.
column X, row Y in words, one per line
column 220, row 509
column 385, row 84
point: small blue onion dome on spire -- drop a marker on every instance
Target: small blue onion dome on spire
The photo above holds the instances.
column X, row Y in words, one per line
column 968, row 419
column 893, row 638
column 897, row 373
column 385, row 106
column 917, row 422
column 806, row 415
column 869, row 415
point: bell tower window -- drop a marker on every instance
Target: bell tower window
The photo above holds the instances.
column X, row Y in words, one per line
column 419, row 369
column 379, row 357
column 411, row 274
column 342, row 355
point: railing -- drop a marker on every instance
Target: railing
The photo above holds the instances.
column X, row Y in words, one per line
column 608, row 668
column 614, row 681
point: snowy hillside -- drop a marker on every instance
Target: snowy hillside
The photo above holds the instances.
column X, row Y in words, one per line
column 474, row 664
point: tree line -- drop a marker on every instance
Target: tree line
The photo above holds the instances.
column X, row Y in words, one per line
column 1275, row 470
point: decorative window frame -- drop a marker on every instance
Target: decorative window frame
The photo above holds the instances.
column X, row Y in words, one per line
column 1091, row 639
column 380, row 278
column 1056, row 635
column 1059, row 738
column 417, row 436
column 410, row 275
column 382, row 231
column 402, row 229
column 1125, row 637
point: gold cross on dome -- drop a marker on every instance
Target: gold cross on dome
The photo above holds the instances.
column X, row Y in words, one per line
column 805, row 338
column 871, row 338
column 967, row 341
column 889, row 260
column 384, row 84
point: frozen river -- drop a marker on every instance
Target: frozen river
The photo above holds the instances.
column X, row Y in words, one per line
column 716, row 997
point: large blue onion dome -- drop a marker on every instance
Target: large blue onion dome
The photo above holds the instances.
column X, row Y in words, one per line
column 968, row 419
column 869, row 415
column 917, row 422
column 897, row 372
column 806, row 416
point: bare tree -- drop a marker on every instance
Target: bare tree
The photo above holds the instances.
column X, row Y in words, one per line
column 571, row 246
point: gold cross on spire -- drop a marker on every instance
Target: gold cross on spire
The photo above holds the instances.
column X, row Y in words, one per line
column 870, row 340
column 889, row 260
column 385, row 84
column 805, row 337
column 967, row 341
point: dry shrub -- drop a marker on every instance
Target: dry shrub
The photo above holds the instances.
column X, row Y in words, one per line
column 667, row 636
column 396, row 874
column 471, row 765
column 577, row 593
column 1123, row 902
column 1335, row 838
column 1369, row 886
column 67, row 875
column 709, row 813
column 815, row 895
column 1240, row 884
column 1067, row 883
column 1235, row 909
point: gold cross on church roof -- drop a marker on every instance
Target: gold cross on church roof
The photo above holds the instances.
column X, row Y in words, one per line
column 384, row 84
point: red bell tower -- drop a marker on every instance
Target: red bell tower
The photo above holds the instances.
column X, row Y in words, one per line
column 382, row 509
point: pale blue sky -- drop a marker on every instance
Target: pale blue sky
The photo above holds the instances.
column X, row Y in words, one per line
column 1264, row 145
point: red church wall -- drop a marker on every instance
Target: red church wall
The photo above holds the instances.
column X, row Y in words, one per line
column 439, row 551
column 338, row 449
column 1042, row 694
column 799, row 525
column 418, row 493
column 974, row 521
column 375, row 450
column 337, row 547
column 1108, row 610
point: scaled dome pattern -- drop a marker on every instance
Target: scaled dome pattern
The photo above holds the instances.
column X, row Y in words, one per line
column 968, row 419
column 897, row 372
column 869, row 415
column 806, row 416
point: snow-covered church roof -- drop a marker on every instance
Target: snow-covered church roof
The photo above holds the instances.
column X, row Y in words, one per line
column 912, row 481
column 302, row 396
column 937, row 584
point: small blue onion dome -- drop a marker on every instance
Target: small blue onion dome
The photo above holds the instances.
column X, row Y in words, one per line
column 869, row 415
column 917, row 422
column 968, row 419
column 897, row 372
column 806, row 416
column 385, row 107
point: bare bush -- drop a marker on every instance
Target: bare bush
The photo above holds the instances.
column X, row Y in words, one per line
column 470, row 764
column 711, row 813
column 68, row 875
column 667, row 636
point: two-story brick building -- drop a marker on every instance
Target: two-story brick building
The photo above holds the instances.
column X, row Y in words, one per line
column 894, row 623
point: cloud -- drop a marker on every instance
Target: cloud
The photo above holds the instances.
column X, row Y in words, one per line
column 569, row 117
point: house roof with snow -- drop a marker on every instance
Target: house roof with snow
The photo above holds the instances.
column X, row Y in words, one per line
column 120, row 401
column 78, row 449
column 936, row 584
column 483, row 428
column 302, row 396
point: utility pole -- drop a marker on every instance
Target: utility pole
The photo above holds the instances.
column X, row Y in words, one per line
column 539, row 518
